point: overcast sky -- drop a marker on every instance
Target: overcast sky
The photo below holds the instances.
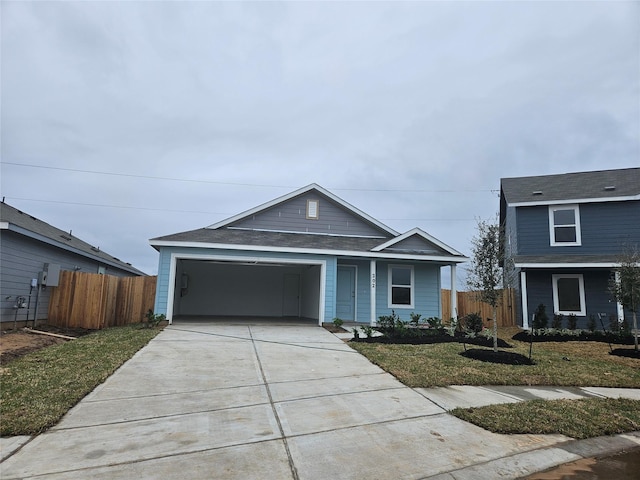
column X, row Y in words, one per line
column 124, row 121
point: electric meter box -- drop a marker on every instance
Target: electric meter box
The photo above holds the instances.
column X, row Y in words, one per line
column 50, row 275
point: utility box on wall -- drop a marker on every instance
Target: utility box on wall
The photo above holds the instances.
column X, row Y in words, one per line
column 50, row 275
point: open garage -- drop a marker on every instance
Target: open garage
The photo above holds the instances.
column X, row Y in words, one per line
column 254, row 288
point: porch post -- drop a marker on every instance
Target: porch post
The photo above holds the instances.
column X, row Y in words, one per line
column 372, row 293
column 523, row 292
column 454, row 294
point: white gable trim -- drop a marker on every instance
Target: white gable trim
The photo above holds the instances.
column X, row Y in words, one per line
column 567, row 265
column 298, row 192
column 421, row 233
column 343, row 253
column 577, row 200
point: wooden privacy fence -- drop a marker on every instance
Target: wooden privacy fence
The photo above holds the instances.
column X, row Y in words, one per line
column 468, row 303
column 93, row 301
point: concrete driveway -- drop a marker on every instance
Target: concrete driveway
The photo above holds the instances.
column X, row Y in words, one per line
column 259, row 401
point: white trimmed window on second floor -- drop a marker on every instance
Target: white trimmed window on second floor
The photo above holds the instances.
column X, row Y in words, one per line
column 564, row 225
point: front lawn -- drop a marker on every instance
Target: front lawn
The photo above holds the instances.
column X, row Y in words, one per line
column 581, row 364
column 585, row 364
column 39, row 388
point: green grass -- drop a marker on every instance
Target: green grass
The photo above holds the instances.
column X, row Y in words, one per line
column 588, row 364
column 584, row 418
column 39, row 388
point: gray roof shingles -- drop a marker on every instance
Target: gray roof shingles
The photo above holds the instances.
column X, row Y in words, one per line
column 13, row 216
column 572, row 186
column 260, row 238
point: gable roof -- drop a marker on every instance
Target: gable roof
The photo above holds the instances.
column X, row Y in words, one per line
column 578, row 187
column 20, row 222
column 246, row 231
column 425, row 245
column 297, row 193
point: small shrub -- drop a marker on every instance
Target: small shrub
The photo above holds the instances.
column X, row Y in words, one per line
column 452, row 327
column 367, row 330
column 388, row 323
column 337, row 322
column 557, row 321
column 540, row 319
column 572, row 322
column 473, row 323
column 356, row 333
column 591, row 324
column 154, row 320
column 625, row 330
column 614, row 324
column 415, row 318
column 435, row 322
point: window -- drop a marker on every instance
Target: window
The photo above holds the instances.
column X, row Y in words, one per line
column 564, row 225
column 400, row 286
column 568, row 294
column 313, row 209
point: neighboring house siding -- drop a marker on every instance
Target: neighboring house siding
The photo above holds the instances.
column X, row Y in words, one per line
column 291, row 217
column 605, row 228
column 22, row 258
column 597, row 297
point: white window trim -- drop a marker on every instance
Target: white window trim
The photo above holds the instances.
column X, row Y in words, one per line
column 552, row 225
column 412, row 287
column 556, row 302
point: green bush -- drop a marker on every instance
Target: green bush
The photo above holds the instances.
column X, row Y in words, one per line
column 473, row 322
column 572, row 322
column 557, row 321
column 540, row 319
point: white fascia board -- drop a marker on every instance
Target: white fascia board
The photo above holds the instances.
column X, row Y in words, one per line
column 421, row 233
column 300, row 191
column 567, row 265
column 310, row 251
column 575, row 200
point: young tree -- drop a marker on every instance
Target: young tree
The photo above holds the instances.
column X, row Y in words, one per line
column 625, row 285
column 485, row 272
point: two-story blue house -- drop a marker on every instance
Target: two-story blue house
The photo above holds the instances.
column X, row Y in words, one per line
column 563, row 236
column 308, row 254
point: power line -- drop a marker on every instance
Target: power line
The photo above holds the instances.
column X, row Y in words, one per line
column 129, row 207
column 190, row 180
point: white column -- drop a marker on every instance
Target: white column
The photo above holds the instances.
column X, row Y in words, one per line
column 523, row 292
column 454, row 294
column 372, row 283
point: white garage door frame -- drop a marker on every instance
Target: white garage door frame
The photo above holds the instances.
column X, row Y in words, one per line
column 244, row 259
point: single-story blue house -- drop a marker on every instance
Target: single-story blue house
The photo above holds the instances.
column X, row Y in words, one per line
column 308, row 254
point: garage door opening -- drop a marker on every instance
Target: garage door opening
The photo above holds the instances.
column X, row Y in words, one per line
column 258, row 289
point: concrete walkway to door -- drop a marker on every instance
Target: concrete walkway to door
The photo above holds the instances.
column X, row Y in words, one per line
column 253, row 401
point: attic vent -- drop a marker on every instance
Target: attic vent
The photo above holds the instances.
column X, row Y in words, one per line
column 313, row 209
column 95, row 249
column 609, row 188
column 537, row 192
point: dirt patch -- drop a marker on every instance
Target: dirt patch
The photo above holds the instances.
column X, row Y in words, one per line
column 15, row 344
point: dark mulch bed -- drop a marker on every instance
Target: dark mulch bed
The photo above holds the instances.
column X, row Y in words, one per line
column 583, row 337
column 626, row 352
column 507, row 358
column 429, row 339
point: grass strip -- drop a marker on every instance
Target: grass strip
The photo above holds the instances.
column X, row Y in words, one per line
column 584, row 418
column 39, row 388
column 584, row 364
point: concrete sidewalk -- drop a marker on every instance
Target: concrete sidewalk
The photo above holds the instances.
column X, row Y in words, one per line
column 249, row 401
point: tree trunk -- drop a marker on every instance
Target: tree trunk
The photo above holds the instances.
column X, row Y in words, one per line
column 635, row 328
column 495, row 329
